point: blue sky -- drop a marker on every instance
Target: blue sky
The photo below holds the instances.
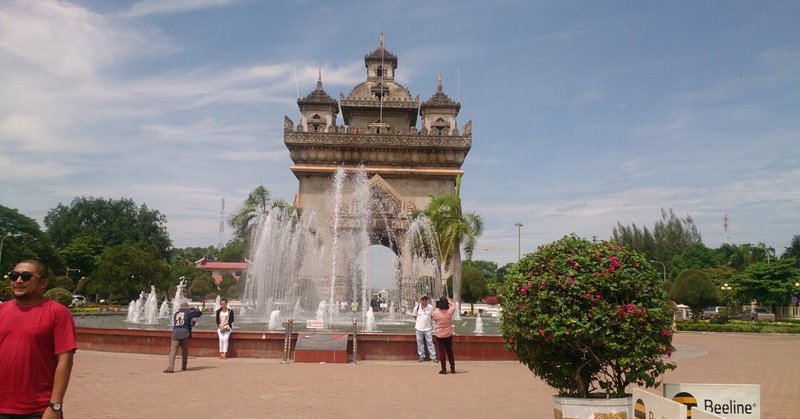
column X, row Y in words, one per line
column 584, row 113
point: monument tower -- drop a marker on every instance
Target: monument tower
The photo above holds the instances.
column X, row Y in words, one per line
column 405, row 163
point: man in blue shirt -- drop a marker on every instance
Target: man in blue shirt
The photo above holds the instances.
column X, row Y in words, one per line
column 182, row 323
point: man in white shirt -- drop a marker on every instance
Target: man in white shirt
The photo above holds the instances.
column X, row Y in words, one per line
column 424, row 328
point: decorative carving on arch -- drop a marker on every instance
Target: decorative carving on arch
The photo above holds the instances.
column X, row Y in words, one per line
column 387, row 201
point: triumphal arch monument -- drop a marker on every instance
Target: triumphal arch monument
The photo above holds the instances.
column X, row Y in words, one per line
column 405, row 159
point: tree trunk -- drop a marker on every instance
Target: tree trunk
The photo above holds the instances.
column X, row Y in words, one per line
column 456, row 269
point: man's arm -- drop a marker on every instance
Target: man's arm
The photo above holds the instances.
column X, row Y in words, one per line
column 60, row 381
column 196, row 312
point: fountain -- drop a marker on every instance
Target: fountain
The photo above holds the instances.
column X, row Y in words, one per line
column 150, row 314
column 216, row 303
column 291, row 271
column 163, row 312
column 478, row 325
column 299, row 268
column 275, row 320
column 133, row 312
column 136, row 309
column 179, row 298
column 370, row 324
column 145, row 309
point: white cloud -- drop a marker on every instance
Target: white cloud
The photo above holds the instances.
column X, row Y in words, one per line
column 152, row 7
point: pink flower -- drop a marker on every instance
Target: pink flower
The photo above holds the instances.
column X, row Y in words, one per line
column 523, row 291
column 585, row 296
column 666, row 332
column 563, row 286
column 630, row 308
column 541, row 332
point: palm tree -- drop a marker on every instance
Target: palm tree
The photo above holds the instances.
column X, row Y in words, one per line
column 454, row 229
column 257, row 203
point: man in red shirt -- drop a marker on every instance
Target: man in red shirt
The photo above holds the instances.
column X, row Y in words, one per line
column 37, row 344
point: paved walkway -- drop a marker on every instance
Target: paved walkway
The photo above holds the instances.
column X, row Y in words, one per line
column 115, row 385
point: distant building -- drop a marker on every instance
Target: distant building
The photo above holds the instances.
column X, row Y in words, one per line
column 217, row 269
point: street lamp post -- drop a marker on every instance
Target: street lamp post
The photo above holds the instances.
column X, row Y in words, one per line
column 72, row 270
column 726, row 291
column 663, row 268
column 7, row 235
column 519, row 241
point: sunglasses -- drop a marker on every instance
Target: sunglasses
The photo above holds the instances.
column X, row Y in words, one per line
column 26, row 276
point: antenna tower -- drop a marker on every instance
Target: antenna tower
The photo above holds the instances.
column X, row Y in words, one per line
column 725, row 225
column 221, row 225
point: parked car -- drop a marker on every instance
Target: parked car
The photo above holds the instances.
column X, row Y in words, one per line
column 709, row 312
column 78, row 300
column 758, row 314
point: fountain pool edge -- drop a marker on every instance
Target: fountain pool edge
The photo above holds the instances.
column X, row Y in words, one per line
column 243, row 344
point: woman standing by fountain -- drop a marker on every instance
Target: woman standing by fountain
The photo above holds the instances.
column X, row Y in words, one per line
column 225, row 319
column 443, row 329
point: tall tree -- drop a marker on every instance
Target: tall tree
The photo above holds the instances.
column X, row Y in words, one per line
column 474, row 286
column 228, row 287
column 82, row 253
column 694, row 288
column 670, row 237
column 232, row 252
column 127, row 269
column 25, row 240
column 454, row 229
column 770, row 284
column 741, row 256
column 202, row 288
column 793, row 250
column 696, row 256
column 489, row 271
column 109, row 221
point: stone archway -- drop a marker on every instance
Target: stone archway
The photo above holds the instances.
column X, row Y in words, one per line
column 405, row 163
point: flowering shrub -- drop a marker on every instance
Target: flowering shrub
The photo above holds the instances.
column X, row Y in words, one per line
column 588, row 316
column 491, row 300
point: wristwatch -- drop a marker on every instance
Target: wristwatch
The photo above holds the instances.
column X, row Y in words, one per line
column 55, row 406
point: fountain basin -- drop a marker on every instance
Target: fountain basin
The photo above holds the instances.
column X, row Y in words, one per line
column 251, row 344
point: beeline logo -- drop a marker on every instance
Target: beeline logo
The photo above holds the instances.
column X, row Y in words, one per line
column 729, row 407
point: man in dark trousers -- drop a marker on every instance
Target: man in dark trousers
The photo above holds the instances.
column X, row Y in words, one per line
column 181, row 333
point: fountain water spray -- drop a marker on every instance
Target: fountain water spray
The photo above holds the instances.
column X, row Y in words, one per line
column 150, row 314
column 296, row 262
column 370, row 323
column 478, row 325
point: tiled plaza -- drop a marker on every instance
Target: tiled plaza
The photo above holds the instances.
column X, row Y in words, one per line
column 115, row 385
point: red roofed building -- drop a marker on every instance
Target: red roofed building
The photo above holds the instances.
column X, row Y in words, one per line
column 217, row 269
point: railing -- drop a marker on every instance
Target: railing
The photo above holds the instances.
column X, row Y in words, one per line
column 791, row 312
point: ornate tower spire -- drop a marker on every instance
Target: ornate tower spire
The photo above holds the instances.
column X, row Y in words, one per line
column 317, row 110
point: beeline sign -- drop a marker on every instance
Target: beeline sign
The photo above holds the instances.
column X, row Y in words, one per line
column 731, row 407
column 733, row 401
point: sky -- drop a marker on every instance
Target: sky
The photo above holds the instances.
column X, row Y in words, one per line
column 584, row 113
